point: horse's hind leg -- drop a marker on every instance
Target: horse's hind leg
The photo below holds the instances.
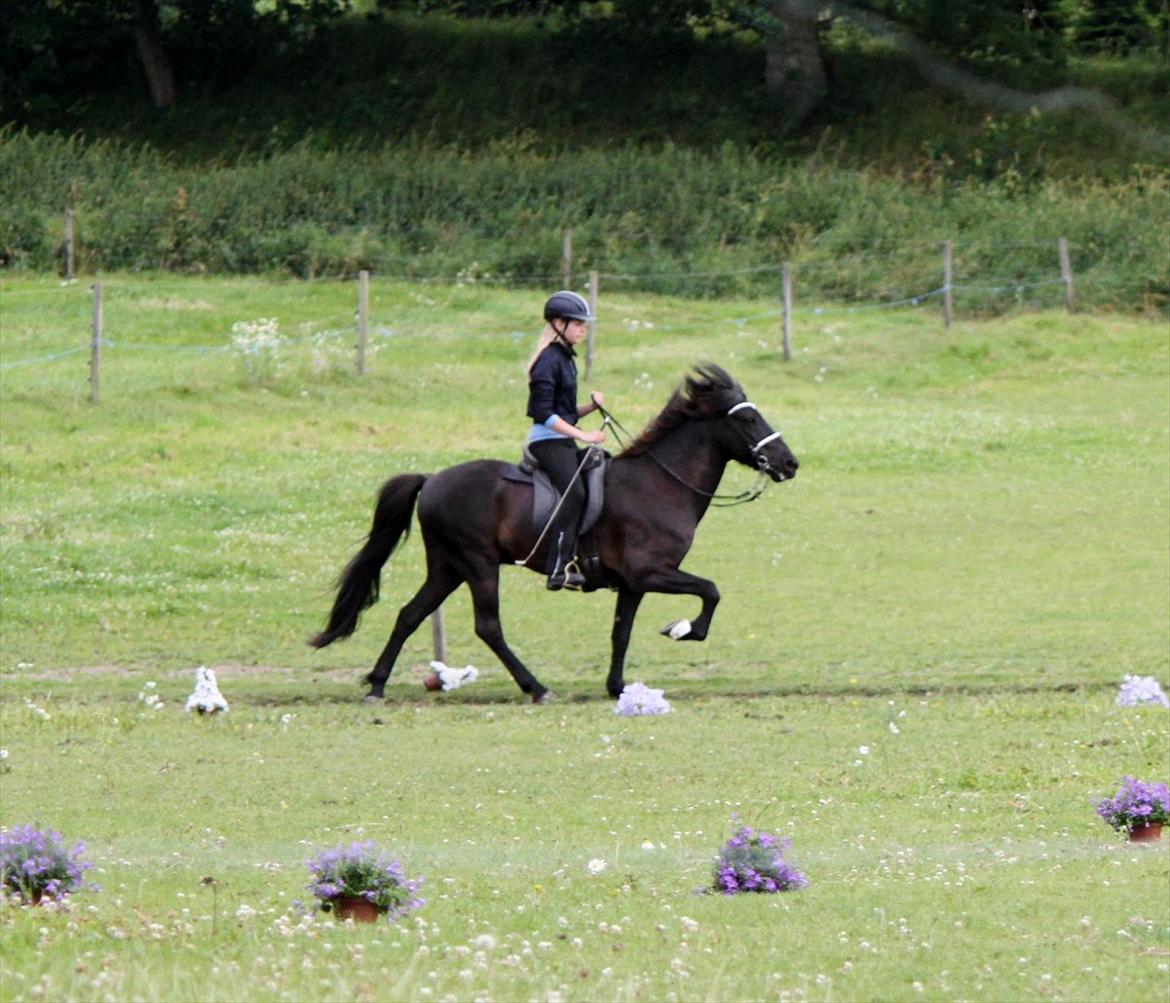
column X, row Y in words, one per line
column 485, row 595
column 441, row 582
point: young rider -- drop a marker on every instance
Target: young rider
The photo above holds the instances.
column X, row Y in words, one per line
column 553, row 408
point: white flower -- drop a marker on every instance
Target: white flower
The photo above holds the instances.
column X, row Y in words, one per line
column 863, row 749
column 647, row 845
column 597, row 865
column 894, row 729
column 206, row 699
column 1141, row 689
column 3, row 753
column 485, row 942
column 690, row 925
column 638, row 699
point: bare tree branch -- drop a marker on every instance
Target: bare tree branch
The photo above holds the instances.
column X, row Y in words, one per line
column 994, row 95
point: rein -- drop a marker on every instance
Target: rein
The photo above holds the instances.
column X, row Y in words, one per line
column 717, row 500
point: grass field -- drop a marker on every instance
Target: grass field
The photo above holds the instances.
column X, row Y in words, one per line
column 977, row 548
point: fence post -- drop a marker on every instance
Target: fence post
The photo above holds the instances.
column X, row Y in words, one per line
column 591, row 331
column 567, row 260
column 786, row 275
column 362, row 319
column 439, row 635
column 948, row 277
column 1066, row 274
column 69, row 275
column 95, row 348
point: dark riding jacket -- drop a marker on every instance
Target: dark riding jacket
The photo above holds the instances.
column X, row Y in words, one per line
column 552, row 385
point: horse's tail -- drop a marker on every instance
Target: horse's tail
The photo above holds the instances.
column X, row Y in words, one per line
column 357, row 586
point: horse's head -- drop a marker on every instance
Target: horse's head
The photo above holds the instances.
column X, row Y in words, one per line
column 754, row 442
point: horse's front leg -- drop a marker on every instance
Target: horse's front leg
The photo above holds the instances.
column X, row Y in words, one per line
column 623, row 622
column 676, row 582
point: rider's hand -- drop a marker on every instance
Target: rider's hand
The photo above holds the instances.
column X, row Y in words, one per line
column 593, row 438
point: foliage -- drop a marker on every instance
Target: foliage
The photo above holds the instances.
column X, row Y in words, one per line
column 1136, row 803
column 360, row 871
column 753, row 861
column 36, row 864
column 679, row 221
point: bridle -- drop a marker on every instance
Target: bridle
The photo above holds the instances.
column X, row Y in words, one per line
column 762, row 462
column 717, row 500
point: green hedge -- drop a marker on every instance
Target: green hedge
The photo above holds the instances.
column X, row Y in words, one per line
column 667, row 218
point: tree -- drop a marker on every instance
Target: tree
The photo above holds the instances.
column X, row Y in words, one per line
column 52, row 46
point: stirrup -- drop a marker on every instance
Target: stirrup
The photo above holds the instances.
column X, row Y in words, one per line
column 568, row 577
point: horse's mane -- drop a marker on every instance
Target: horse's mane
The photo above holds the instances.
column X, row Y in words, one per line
column 709, row 392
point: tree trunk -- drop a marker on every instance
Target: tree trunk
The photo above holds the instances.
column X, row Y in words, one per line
column 148, row 38
column 794, row 71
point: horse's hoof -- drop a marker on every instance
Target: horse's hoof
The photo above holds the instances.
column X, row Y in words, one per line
column 678, row 630
column 545, row 697
column 373, row 698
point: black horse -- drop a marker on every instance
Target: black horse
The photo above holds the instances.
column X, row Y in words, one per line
column 656, row 491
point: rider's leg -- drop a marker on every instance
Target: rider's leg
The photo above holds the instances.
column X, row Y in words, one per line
column 560, row 458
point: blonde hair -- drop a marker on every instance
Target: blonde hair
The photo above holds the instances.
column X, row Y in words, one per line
column 546, row 338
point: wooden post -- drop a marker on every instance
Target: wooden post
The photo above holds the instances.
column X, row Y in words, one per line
column 948, row 277
column 69, row 275
column 591, row 332
column 95, row 349
column 439, row 635
column 362, row 319
column 1066, row 274
column 567, row 260
column 786, row 273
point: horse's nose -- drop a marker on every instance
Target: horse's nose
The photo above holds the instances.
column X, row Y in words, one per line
column 791, row 466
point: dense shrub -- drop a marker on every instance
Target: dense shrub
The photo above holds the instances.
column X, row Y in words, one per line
column 668, row 216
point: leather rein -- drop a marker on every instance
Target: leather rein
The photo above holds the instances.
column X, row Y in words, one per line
column 717, row 500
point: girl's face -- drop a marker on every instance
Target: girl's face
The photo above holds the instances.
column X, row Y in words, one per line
column 575, row 331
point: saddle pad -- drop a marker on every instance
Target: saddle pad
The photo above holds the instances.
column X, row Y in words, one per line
column 545, row 496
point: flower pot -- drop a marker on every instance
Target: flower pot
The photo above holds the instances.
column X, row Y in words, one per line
column 1151, row 832
column 355, row 907
column 433, row 682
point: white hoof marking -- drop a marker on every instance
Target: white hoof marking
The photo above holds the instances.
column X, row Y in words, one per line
column 680, row 629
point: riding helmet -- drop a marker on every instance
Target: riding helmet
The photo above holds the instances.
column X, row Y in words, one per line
column 567, row 305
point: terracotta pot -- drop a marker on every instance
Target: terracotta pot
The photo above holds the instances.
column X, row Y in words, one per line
column 433, row 682
column 355, row 907
column 1151, row 832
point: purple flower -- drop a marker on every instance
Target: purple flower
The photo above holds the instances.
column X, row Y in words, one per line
column 753, row 861
column 1136, row 803
column 359, row 871
column 36, row 864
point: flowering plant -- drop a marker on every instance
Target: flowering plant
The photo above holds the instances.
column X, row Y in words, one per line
column 752, row 861
column 638, row 699
column 1141, row 689
column 358, row 871
column 36, row 864
column 1136, row 804
column 258, row 343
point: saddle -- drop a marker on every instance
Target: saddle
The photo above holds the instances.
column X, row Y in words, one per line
column 545, row 497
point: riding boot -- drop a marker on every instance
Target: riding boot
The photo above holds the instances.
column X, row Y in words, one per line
column 564, row 573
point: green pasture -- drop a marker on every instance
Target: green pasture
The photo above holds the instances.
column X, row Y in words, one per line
column 912, row 672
